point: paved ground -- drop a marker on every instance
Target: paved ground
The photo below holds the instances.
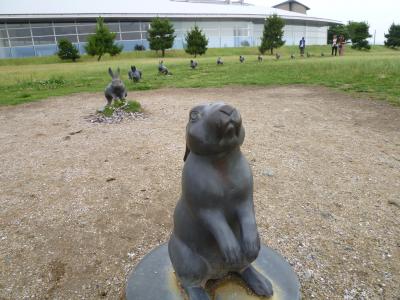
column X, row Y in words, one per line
column 82, row 203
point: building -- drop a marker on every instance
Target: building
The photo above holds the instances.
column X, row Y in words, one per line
column 294, row 6
column 34, row 30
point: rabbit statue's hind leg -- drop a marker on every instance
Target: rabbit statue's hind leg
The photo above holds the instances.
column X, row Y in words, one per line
column 190, row 268
column 257, row 282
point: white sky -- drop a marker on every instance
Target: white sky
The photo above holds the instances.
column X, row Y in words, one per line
column 379, row 14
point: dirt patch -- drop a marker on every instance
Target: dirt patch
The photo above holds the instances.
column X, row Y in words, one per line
column 79, row 211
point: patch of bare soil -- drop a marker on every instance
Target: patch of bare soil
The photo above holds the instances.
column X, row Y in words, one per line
column 82, row 203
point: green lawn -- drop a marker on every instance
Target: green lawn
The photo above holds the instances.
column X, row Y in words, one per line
column 374, row 74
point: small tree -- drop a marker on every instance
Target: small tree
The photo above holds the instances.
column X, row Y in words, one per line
column 272, row 35
column 196, row 42
column 66, row 50
column 393, row 37
column 337, row 30
column 102, row 41
column 161, row 35
column 359, row 32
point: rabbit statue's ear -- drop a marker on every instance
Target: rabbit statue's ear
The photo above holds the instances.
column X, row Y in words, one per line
column 110, row 72
column 118, row 71
column 132, row 68
column 186, row 153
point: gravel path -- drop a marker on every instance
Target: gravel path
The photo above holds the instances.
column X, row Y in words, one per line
column 82, row 203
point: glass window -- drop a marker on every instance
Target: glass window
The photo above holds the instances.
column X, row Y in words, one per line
column 2, row 25
column 44, row 40
column 145, row 26
column 3, row 34
column 71, row 38
column 21, row 42
column 18, row 25
column 113, row 27
column 145, row 35
column 87, row 28
column 130, row 26
column 41, row 24
column 131, row 36
column 42, row 31
column 65, row 30
column 19, row 32
column 4, row 43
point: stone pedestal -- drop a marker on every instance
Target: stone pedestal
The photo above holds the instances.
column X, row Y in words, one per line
column 154, row 278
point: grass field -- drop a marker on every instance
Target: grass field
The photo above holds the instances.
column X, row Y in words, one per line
column 375, row 74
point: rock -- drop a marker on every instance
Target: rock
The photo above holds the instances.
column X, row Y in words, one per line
column 268, row 172
column 308, row 274
column 111, row 179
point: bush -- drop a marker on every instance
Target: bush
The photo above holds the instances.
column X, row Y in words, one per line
column 272, row 34
column 393, row 37
column 161, row 35
column 102, row 41
column 139, row 47
column 196, row 42
column 66, row 50
column 359, row 32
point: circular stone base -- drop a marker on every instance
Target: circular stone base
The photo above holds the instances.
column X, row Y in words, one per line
column 154, row 278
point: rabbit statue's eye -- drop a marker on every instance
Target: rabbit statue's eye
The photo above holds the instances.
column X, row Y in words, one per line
column 194, row 116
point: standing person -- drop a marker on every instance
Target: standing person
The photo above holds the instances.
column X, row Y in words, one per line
column 302, row 46
column 334, row 44
column 341, row 42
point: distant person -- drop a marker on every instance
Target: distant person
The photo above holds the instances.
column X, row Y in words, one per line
column 334, row 44
column 342, row 43
column 302, row 46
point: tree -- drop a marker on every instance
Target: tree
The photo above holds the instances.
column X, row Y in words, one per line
column 338, row 30
column 196, row 42
column 66, row 50
column 272, row 35
column 393, row 37
column 359, row 32
column 102, row 41
column 161, row 35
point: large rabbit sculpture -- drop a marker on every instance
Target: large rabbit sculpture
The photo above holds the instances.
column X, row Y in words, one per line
column 116, row 88
column 215, row 229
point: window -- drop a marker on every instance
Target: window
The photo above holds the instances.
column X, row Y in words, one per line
column 3, row 34
column 4, row 43
column 65, row 30
column 41, row 24
column 42, row 31
column 44, row 40
column 130, row 26
column 113, row 27
column 71, row 38
column 131, row 36
column 19, row 32
column 87, row 28
column 18, row 25
column 21, row 42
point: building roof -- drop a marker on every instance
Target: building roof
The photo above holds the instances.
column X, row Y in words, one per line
column 292, row 1
column 75, row 9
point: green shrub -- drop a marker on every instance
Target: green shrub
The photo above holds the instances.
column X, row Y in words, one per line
column 196, row 42
column 393, row 37
column 66, row 50
column 272, row 34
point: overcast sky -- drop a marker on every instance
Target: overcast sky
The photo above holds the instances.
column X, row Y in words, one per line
column 379, row 14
